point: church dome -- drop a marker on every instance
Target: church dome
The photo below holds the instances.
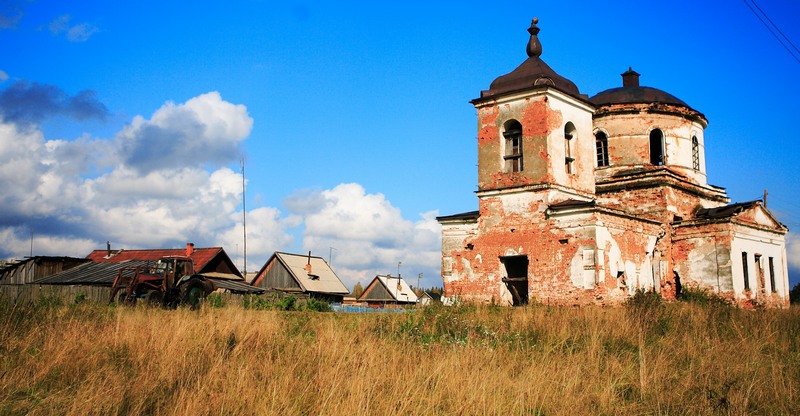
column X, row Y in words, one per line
column 532, row 73
column 632, row 93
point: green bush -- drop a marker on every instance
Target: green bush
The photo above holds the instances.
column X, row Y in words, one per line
column 287, row 304
column 317, row 305
column 701, row 296
column 794, row 294
column 215, row 300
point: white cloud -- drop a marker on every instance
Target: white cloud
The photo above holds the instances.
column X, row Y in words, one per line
column 75, row 33
column 368, row 234
column 3, row 75
column 793, row 250
column 75, row 194
column 204, row 130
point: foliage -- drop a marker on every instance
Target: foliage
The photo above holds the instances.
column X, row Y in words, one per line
column 286, row 304
column 317, row 305
column 80, row 298
column 358, row 290
column 215, row 300
column 703, row 296
column 794, row 294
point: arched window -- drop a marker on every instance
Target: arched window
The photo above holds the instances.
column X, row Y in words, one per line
column 695, row 153
column 657, row 147
column 601, row 143
column 512, row 131
column 569, row 135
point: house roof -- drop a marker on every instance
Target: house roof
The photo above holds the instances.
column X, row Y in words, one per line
column 725, row 211
column 395, row 287
column 321, row 279
column 201, row 256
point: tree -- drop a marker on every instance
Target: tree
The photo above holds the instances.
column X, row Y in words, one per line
column 358, row 290
column 794, row 294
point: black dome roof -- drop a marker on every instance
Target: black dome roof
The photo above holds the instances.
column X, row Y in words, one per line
column 632, row 93
column 534, row 72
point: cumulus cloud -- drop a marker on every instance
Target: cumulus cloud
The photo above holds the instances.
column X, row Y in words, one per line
column 365, row 235
column 3, row 76
column 793, row 250
column 204, row 130
column 80, row 32
column 163, row 181
column 29, row 103
column 74, row 195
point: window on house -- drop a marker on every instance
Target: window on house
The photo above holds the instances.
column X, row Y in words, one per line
column 657, row 147
column 695, row 153
column 601, row 143
column 512, row 131
column 771, row 265
column 569, row 135
column 759, row 272
column 745, row 274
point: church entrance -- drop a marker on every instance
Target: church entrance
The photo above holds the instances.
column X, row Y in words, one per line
column 516, row 278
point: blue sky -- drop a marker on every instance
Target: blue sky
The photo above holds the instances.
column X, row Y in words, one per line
column 127, row 123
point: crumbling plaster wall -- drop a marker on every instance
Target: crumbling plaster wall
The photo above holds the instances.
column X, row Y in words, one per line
column 628, row 135
column 543, row 115
column 578, row 257
column 766, row 244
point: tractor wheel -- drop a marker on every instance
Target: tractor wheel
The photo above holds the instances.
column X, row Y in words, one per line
column 122, row 299
column 193, row 292
column 154, row 298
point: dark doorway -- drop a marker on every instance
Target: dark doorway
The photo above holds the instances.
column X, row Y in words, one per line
column 516, row 278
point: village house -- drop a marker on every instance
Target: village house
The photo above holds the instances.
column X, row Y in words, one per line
column 585, row 200
column 304, row 275
column 387, row 291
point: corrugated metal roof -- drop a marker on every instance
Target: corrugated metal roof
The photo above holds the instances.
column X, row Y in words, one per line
column 200, row 256
column 99, row 274
column 237, row 286
column 322, row 278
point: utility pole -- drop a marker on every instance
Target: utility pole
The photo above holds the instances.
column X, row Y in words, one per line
column 244, row 222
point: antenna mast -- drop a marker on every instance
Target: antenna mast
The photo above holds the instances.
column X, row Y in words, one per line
column 244, row 222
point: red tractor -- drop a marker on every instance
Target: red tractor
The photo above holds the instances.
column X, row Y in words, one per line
column 170, row 282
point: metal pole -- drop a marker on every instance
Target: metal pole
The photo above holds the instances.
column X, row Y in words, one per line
column 244, row 222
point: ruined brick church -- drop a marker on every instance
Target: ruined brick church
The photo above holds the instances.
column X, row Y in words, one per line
column 585, row 200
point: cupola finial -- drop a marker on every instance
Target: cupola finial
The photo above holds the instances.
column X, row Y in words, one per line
column 534, row 46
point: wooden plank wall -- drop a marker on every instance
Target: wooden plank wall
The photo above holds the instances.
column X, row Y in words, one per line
column 66, row 294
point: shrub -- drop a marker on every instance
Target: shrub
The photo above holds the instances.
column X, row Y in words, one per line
column 794, row 294
column 215, row 300
column 317, row 305
column 287, row 304
column 702, row 296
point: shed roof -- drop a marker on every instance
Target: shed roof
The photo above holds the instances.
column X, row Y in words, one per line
column 100, row 274
column 394, row 289
column 321, row 279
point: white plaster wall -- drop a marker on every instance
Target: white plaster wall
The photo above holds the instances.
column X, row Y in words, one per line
column 766, row 244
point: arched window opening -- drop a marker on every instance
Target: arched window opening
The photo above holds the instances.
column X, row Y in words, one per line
column 512, row 131
column 601, row 143
column 656, row 147
column 695, row 153
column 569, row 135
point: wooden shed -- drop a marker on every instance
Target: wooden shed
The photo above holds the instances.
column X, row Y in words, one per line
column 388, row 290
column 301, row 274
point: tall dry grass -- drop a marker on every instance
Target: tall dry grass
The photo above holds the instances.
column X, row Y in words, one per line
column 651, row 359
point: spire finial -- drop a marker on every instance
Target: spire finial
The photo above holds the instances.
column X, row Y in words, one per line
column 534, row 46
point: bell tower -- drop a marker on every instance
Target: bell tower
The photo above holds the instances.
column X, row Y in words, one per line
column 535, row 132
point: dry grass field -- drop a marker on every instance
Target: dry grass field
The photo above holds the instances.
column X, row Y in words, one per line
column 647, row 358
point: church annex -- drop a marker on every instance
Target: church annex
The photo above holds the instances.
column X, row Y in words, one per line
column 584, row 200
